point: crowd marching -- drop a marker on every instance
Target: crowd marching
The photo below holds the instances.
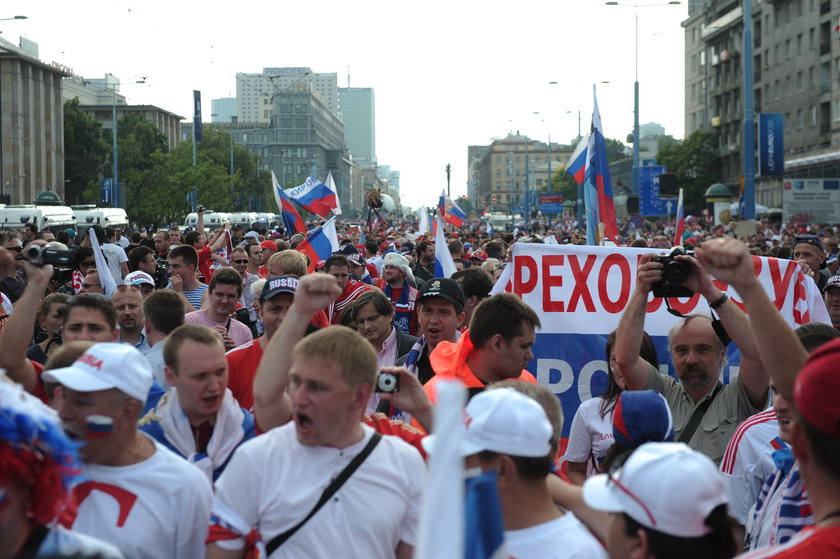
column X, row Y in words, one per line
column 234, row 393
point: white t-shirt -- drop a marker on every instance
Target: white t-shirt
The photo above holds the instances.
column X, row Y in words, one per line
column 748, row 461
column 64, row 543
column 273, row 481
column 562, row 538
column 157, row 508
column 590, row 435
column 115, row 255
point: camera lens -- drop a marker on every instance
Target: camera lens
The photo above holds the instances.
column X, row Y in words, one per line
column 387, row 382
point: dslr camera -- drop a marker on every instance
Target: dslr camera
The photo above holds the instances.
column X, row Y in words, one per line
column 674, row 274
column 387, row 382
column 40, row 256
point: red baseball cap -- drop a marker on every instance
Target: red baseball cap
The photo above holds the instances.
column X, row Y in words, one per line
column 816, row 388
column 270, row 245
column 480, row 255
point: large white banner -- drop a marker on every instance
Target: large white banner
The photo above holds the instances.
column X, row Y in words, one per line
column 579, row 293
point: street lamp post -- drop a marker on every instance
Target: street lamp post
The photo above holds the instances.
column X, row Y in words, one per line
column 115, row 185
column 635, row 180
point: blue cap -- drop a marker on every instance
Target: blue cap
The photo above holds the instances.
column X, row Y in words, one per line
column 642, row 416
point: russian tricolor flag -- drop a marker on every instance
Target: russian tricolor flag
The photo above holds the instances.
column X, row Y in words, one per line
column 291, row 217
column 597, row 178
column 577, row 162
column 444, row 264
column 450, row 211
column 320, row 244
column 679, row 225
column 314, row 196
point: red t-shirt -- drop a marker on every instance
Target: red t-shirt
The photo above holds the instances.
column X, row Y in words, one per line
column 242, row 368
column 40, row 391
column 810, row 542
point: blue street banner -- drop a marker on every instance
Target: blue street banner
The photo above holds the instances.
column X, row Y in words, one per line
column 199, row 135
column 551, row 203
column 580, row 292
column 650, row 204
column 105, row 191
column 771, row 144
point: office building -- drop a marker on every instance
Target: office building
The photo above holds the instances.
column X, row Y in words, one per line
column 358, row 112
column 222, row 110
column 255, row 92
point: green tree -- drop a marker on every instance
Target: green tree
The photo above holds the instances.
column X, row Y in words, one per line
column 696, row 164
column 85, row 153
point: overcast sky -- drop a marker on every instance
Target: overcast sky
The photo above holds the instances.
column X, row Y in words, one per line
column 446, row 74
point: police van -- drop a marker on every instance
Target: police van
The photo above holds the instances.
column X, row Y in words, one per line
column 246, row 220
column 52, row 218
column 88, row 215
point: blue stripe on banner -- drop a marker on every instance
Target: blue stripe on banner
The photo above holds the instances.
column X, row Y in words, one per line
column 574, row 367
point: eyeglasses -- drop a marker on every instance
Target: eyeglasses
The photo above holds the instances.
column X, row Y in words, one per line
column 88, row 263
column 240, row 261
column 369, row 319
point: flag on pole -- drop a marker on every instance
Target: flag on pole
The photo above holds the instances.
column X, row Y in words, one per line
column 331, row 185
column 332, row 235
column 314, row 196
column 577, row 162
column 679, row 224
column 317, row 246
column 109, row 284
column 450, row 211
column 291, row 218
column 444, row 264
column 423, row 226
column 597, row 179
column 441, row 530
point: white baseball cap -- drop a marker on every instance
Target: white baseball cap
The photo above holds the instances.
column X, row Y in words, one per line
column 504, row 421
column 667, row 487
column 252, row 235
column 137, row 278
column 104, row 366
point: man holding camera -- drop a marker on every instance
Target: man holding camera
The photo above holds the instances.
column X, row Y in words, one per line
column 706, row 412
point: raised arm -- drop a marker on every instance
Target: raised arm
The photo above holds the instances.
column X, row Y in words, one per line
column 779, row 349
column 628, row 338
column 199, row 224
column 17, row 334
column 272, row 405
column 752, row 373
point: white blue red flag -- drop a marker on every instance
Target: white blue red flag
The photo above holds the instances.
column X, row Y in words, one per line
column 596, row 182
column 444, row 264
column 450, row 211
column 331, row 185
column 291, row 217
column 318, row 245
column 577, row 162
column 314, row 196
column 679, row 224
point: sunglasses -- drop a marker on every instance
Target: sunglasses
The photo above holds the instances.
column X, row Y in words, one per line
column 88, row 263
column 241, row 261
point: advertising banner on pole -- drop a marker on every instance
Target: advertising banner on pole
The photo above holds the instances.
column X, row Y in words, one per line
column 771, row 144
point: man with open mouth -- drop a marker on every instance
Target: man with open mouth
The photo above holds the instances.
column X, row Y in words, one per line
column 274, row 481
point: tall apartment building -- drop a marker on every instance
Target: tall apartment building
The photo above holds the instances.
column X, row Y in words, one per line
column 796, row 60
column 254, row 91
column 31, row 124
column 222, row 110
column 358, row 112
column 510, row 166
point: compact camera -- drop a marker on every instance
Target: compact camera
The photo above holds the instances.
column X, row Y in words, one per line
column 674, row 274
column 40, row 256
column 387, row 382
column 200, row 208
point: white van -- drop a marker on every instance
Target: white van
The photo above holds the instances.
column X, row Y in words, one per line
column 88, row 215
column 212, row 220
column 53, row 218
column 246, row 220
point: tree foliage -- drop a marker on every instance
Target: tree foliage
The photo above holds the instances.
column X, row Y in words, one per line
column 85, row 153
column 696, row 164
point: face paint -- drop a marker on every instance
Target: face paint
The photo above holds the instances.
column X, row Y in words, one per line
column 98, row 426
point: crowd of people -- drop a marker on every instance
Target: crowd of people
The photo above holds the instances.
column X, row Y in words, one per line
column 187, row 394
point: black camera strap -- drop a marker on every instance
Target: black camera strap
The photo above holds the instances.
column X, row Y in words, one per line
column 717, row 325
column 334, row 486
column 697, row 416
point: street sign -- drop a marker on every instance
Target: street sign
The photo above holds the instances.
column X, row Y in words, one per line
column 649, row 202
column 551, row 203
